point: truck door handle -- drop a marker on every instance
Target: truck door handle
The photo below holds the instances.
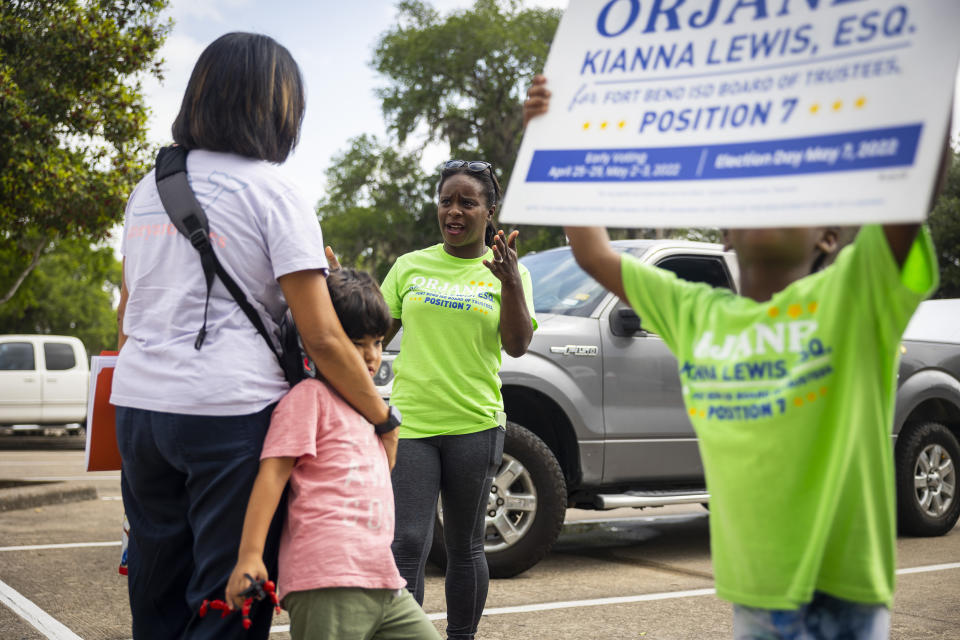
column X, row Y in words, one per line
column 29, row 379
column 51, row 379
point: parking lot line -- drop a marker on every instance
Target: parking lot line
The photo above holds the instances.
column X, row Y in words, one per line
column 594, row 602
column 929, row 567
column 67, row 545
column 69, row 478
column 646, row 597
column 34, row 615
column 54, row 630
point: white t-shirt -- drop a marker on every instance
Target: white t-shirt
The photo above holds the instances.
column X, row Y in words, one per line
column 261, row 228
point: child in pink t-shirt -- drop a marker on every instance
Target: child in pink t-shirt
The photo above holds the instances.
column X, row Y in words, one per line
column 337, row 577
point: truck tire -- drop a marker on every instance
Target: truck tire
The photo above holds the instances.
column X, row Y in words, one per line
column 528, row 503
column 927, row 500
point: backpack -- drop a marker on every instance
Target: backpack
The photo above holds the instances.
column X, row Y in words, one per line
column 187, row 215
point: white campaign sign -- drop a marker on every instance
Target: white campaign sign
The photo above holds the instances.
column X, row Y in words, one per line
column 675, row 113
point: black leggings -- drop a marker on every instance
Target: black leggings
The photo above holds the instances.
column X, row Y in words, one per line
column 460, row 469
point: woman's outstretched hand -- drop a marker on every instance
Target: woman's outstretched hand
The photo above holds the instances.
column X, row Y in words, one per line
column 332, row 258
column 504, row 264
column 538, row 99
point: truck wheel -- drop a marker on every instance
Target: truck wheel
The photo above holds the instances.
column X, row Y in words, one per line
column 927, row 501
column 525, row 509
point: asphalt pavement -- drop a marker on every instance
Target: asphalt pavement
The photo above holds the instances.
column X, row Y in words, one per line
column 613, row 575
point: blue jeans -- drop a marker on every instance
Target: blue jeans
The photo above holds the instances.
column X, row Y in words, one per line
column 460, row 469
column 823, row 618
column 186, row 480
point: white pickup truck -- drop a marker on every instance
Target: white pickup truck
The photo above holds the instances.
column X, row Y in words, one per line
column 43, row 381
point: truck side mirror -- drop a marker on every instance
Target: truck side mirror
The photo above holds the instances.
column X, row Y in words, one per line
column 624, row 321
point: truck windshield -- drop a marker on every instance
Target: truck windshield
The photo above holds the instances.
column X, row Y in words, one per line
column 560, row 285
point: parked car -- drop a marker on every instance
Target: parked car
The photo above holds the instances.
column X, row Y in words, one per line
column 43, row 381
column 596, row 416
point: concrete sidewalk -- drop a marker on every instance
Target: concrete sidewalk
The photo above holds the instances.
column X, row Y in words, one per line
column 22, row 494
column 19, row 486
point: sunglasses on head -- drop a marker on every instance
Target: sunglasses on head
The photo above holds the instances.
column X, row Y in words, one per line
column 471, row 165
column 478, row 166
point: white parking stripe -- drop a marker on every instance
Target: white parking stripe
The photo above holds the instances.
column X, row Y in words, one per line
column 929, row 567
column 670, row 517
column 596, row 602
column 67, row 478
column 69, row 545
column 56, row 631
column 34, row 615
column 646, row 597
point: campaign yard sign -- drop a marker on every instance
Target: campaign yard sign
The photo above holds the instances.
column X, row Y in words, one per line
column 734, row 113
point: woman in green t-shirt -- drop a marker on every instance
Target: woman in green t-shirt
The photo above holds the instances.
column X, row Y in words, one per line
column 459, row 302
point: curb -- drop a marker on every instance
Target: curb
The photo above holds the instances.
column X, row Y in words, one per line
column 39, row 495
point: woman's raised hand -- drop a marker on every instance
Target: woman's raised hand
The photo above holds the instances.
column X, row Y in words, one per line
column 332, row 261
column 504, row 264
column 538, row 99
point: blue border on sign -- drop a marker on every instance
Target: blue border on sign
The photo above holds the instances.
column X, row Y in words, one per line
column 851, row 151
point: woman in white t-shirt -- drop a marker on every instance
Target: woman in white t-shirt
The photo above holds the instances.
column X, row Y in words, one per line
column 191, row 422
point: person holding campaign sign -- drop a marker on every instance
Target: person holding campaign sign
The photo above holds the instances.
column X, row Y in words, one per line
column 789, row 386
column 723, row 112
column 459, row 302
column 191, row 421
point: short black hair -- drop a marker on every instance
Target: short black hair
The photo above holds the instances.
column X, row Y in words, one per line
column 359, row 304
column 491, row 190
column 245, row 96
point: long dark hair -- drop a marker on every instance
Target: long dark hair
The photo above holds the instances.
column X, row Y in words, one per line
column 245, row 96
column 491, row 190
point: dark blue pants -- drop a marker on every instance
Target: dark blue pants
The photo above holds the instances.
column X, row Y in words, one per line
column 460, row 469
column 185, row 482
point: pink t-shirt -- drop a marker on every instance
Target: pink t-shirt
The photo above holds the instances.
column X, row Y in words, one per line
column 340, row 512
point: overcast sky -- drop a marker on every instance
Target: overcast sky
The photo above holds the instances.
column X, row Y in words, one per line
column 332, row 40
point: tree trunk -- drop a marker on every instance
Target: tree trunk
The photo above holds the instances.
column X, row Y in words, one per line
column 37, row 254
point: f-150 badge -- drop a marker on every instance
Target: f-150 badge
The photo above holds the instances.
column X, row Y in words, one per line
column 576, row 350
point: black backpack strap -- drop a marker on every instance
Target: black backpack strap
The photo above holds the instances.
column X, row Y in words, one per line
column 188, row 217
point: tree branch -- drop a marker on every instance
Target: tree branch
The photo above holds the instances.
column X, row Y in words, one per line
column 37, row 254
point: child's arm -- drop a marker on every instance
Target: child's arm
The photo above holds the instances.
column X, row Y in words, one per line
column 900, row 237
column 591, row 245
column 267, row 489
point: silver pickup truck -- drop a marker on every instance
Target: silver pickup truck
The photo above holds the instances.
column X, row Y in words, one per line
column 596, row 417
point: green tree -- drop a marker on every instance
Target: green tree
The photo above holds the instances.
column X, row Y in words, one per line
column 460, row 79
column 457, row 79
column 74, row 121
column 944, row 224
column 378, row 205
column 463, row 76
column 71, row 292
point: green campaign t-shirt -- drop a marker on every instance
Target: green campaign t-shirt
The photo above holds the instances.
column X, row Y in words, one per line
column 446, row 373
column 792, row 401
